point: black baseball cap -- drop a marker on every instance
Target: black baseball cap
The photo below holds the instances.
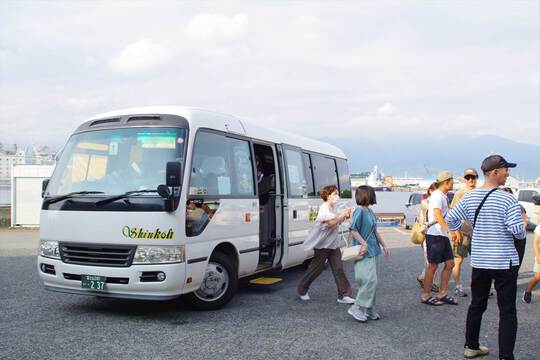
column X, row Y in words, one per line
column 493, row 162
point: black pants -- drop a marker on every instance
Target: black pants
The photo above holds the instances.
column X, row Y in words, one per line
column 316, row 267
column 506, row 286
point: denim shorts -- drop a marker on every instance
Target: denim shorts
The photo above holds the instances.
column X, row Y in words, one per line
column 439, row 249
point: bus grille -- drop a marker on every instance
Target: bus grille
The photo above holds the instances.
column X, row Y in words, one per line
column 97, row 254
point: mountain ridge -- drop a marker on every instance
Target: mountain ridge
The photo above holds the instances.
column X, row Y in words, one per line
column 424, row 157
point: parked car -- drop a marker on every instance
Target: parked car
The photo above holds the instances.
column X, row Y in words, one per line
column 527, row 198
column 412, row 207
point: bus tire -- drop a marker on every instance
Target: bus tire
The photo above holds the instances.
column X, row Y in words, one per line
column 218, row 286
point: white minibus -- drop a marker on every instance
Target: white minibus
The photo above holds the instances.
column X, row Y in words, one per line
column 157, row 202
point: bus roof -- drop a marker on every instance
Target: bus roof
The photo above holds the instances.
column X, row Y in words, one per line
column 199, row 118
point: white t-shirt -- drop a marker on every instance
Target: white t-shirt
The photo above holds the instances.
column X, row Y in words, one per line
column 438, row 200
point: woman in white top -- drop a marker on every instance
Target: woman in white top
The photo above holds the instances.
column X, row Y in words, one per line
column 423, row 219
column 323, row 239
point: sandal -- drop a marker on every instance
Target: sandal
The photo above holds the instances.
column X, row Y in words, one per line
column 431, row 301
column 448, row 300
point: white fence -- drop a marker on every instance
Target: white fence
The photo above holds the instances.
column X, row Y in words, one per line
column 26, row 181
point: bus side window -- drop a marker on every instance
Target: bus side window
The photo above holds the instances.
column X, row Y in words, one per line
column 308, row 170
column 295, row 173
column 324, row 171
column 240, row 154
column 210, row 165
column 344, row 179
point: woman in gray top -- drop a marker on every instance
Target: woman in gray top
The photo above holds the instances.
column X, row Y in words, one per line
column 323, row 239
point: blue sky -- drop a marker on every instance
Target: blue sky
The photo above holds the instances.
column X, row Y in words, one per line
column 332, row 69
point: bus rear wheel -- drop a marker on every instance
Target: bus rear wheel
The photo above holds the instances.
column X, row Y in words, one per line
column 218, row 286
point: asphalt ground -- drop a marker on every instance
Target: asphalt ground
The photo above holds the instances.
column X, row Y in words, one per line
column 261, row 322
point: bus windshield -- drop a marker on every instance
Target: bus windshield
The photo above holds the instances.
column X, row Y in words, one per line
column 115, row 161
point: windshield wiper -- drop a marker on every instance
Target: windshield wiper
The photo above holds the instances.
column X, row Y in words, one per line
column 67, row 196
column 124, row 195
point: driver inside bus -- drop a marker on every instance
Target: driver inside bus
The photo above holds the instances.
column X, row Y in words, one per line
column 196, row 218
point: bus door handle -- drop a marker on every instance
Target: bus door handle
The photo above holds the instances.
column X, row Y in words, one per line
column 294, row 214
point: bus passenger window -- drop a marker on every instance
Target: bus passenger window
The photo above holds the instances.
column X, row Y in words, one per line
column 295, row 174
column 324, row 171
column 344, row 179
column 210, row 165
column 243, row 169
column 221, row 166
column 309, row 174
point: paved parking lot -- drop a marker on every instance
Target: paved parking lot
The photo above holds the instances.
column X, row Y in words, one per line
column 261, row 322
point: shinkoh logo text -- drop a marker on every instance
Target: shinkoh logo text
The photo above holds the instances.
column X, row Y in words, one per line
column 140, row 233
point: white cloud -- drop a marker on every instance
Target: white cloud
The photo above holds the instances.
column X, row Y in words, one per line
column 84, row 103
column 298, row 66
column 307, row 21
column 386, row 109
column 216, row 27
column 142, row 56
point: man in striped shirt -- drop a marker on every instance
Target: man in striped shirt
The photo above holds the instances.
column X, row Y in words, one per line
column 493, row 254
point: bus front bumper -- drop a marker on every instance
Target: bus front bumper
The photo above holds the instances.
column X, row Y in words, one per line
column 127, row 282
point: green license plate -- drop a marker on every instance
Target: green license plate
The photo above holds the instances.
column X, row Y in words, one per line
column 93, row 282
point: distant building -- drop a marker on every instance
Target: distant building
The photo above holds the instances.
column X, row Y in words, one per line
column 376, row 177
column 16, row 155
column 359, row 179
column 9, row 157
column 43, row 155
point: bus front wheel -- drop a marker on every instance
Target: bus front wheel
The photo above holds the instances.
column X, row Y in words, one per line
column 218, row 286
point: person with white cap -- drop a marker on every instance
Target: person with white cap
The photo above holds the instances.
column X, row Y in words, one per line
column 461, row 251
column 497, row 226
column 438, row 247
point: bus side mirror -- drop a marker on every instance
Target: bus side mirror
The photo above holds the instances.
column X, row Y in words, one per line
column 44, row 186
column 164, row 191
column 174, row 174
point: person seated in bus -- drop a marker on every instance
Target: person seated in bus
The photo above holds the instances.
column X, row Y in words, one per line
column 196, row 218
column 260, row 173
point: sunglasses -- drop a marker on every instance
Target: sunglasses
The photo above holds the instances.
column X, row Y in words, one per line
column 470, row 177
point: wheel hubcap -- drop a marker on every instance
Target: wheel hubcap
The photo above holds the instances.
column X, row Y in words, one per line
column 214, row 284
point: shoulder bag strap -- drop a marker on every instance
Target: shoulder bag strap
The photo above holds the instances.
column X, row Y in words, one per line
column 374, row 227
column 480, row 206
column 371, row 231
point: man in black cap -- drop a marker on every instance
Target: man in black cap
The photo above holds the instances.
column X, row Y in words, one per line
column 496, row 219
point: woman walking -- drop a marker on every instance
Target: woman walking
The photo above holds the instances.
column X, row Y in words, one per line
column 364, row 232
column 323, row 239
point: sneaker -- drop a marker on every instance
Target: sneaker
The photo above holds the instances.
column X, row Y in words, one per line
column 459, row 292
column 472, row 353
column 435, row 288
column 372, row 314
column 304, row 297
column 527, row 296
column 358, row 313
column 345, row 300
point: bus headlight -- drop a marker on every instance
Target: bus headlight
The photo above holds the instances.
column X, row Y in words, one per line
column 49, row 248
column 159, row 254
